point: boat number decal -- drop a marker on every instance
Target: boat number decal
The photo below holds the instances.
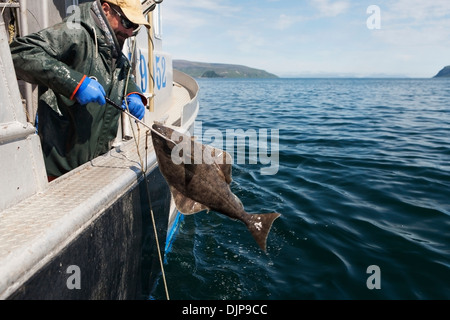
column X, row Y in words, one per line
column 144, row 75
column 160, row 72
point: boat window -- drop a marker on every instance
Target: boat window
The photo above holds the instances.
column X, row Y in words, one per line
column 157, row 21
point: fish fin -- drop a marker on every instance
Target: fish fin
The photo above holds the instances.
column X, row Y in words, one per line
column 186, row 205
column 226, row 170
column 221, row 159
column 238, row 201
column 259, row 226
column 225, row 166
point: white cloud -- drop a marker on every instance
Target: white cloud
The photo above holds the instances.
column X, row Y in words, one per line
column 215, row 6
column 286, row 21
column 415, row 23
column 296, row 36
column 418, row 10
column 330, row 8
column 244, row 42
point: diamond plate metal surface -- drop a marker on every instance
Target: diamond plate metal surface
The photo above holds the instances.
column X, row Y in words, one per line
column 34, row 228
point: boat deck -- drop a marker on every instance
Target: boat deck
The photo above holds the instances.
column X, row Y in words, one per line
column 35, row 230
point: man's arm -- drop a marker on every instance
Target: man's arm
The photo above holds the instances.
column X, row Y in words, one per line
column 38, row 59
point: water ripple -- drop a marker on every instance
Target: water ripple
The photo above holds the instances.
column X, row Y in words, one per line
column 363, row 179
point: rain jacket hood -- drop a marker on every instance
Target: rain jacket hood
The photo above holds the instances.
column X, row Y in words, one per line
column 57, row 59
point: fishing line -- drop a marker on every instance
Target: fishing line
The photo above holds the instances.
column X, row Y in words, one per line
column 115, row 105
column 143, row 170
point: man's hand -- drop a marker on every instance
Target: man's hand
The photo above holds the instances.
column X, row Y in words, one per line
column 90, row 91
column 135, row 105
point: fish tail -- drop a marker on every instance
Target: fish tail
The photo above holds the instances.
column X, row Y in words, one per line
column 259, row 226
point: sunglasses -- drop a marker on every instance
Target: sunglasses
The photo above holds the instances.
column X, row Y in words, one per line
column 127, row 24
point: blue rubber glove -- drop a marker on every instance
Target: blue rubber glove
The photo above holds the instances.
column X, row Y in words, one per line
column 135, row 105
column 90, row 91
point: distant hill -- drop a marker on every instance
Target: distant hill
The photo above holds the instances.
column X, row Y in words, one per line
column 219, row 70
column 444, row 73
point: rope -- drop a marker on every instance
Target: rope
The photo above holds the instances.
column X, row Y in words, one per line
column 11, row 26
column 143, row 170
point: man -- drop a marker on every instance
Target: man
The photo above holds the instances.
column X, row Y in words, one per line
column 76, row 64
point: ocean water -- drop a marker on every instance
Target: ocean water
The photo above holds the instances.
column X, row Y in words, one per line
column 362, row 183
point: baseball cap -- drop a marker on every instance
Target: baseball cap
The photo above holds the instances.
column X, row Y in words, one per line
column 132, row 9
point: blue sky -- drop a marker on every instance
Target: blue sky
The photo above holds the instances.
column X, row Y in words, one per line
column 312, row 37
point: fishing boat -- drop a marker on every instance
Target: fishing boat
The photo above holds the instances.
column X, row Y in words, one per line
column 101, row 230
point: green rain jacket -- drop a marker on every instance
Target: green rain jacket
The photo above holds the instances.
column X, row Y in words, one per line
column 57, row 59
